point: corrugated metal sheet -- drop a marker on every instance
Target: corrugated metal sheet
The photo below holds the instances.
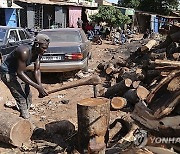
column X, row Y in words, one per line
column 14, row 6
column 147, row 13
column 48, row 2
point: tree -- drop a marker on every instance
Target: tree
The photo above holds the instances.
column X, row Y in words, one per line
column 111, row 15
column 158, row 6
column 129, row 3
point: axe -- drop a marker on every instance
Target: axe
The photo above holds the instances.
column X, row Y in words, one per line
column 93, row 80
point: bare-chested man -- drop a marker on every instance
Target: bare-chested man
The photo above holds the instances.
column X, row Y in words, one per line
column 13, row 72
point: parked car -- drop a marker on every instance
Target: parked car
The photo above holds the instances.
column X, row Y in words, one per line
column 11, row 37
column 69, row 50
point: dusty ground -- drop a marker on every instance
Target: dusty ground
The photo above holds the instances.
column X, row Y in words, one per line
column 51, row 108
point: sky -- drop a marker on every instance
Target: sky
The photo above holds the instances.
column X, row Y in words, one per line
column 112, row 1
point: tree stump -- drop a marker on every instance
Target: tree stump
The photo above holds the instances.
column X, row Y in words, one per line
column 14, row 130
column 93, row 121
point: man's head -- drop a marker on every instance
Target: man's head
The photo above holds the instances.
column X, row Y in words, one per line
column 41, row 43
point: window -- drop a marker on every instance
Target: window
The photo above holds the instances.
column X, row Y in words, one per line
column 2, row 34
column 13, row 35
column 22, row 35
column 63, row 36
column 27, row 35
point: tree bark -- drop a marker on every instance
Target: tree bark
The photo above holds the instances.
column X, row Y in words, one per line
column 161, row 83
column 148, row 46
column 14, row 130
column 118, row 89
column 131, row 96
column 154, row 56
column 166, row 63
column 93, row 121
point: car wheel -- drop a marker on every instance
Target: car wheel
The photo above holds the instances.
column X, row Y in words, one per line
column 85, row 69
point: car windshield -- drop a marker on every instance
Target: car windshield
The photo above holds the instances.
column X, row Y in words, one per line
column 63, row 36
column 2, row 35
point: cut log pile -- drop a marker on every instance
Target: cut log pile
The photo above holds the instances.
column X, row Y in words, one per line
column 149, row 82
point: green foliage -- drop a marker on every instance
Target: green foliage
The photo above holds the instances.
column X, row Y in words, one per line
column 129, row 3
column 158, row 6
column 111, row 15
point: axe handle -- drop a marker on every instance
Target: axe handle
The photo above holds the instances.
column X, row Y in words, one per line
column 94, row 80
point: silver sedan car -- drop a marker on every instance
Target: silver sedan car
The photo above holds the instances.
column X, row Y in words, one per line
column 69, row 50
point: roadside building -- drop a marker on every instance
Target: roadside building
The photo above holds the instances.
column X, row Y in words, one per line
column 153, row 22
column 9, row 13
column 45, row 14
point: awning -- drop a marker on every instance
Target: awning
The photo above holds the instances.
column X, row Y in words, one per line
column 14, row 6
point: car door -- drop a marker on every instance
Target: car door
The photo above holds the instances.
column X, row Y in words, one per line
column 12, row 41
column 24, row 37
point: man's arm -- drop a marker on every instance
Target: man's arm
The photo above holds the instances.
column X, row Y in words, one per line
column 37, row 72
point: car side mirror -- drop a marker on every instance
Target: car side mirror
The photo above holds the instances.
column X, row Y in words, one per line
column 11, row 41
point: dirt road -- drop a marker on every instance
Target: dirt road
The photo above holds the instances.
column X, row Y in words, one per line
column 60, row 105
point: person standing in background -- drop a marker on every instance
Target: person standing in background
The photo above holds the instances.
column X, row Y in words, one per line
column 79, row 23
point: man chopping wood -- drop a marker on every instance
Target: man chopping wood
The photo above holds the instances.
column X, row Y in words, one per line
column 13, row 72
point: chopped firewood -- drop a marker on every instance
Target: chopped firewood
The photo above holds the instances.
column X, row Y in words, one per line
column 148, row 46
column 14, row 130
column 166, row 63
column 134, row 74
column 136, row 84
column 113, row 81
column 154, row 56
column 176, row 56
column 113, row 130
column 119, row 88
column 110, row 69
column 174, row 85
column 142, row 92
column 118, row 103
column 131, row 96
column 161, row 83
column 119, row 62
column 138, row 71
column 102, row 66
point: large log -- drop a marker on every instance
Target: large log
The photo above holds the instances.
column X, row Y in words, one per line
column 14, row 130
column 166, row 63
column 93, row 121
column 174, row 85
column 161, row 84
column 148, row 46
column 118, row 89
column 131, row 96
column 167, row 126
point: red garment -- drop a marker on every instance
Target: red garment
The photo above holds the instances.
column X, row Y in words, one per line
column 88, row 27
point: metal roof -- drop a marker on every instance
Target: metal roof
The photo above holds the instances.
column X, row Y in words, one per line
column 49, row 2
column 14, row 6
